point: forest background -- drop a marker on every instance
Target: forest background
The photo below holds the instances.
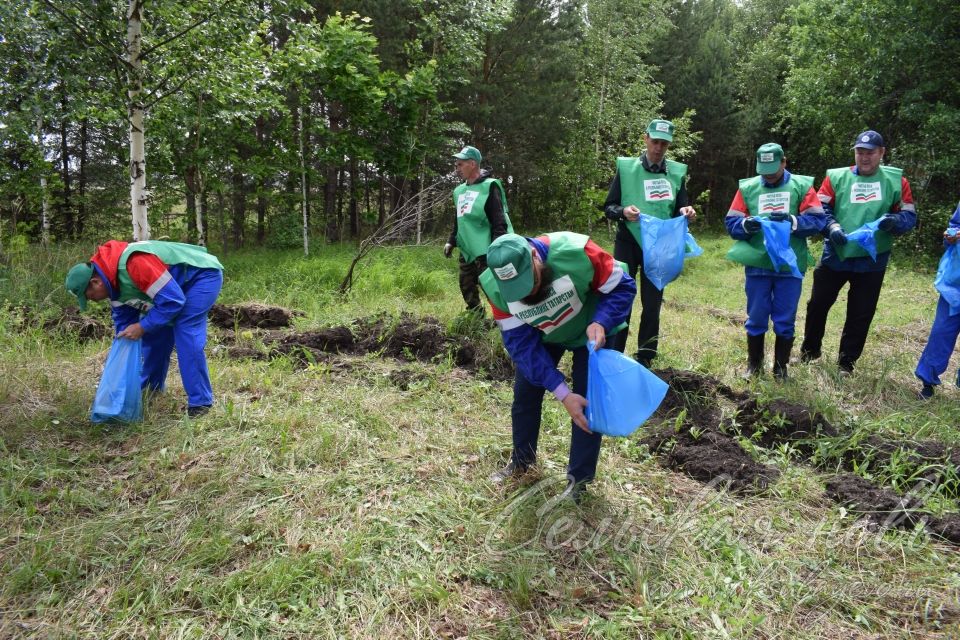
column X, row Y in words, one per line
column 260, row 115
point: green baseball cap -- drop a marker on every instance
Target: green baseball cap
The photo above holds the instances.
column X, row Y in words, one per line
column 660, row 130
column 77, row 280
column 510, row 261
column 769, row 157
column 469, row 153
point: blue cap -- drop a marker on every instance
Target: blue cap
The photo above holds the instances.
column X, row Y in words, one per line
column 868, row 140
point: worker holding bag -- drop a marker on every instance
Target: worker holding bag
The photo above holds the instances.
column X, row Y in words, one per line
column 771, row 216
column 159, row 292
column 549, row 295
column 652, row 185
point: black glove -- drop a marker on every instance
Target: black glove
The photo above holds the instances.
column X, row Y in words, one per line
column 780, row 216
column 887, row 223
column 837, row 236
column 751, row 225
column 447, row 250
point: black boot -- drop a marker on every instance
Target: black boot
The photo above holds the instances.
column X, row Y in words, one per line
column 781, row 357
column 754, row 356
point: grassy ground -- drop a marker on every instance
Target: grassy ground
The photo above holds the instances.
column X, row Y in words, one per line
column 331, row 502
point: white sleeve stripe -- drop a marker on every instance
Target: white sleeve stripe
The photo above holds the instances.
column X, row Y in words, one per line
column 158, row 284
column 736, row 214
column 615, row 277
column 509, row 323
column 824, row 199
column 812, row 210
column 908, row 207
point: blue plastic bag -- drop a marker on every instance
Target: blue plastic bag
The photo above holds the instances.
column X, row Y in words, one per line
column 864, row 236
column 118, row 396
column 665, row 248
column 776, row 240
column 621, row 393
column 947, row 281
column 693, row 250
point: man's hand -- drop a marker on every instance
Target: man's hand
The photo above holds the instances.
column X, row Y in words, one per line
column 132, row 332
column 447, row 250
column 837, row 236
column 887, row 223
column 950, row 236
column 596, row 333
column 631, row 213
column 751, row 225
column 689, row 213
column 575, row 403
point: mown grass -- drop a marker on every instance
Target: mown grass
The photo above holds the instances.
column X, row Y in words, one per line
column 330, row 502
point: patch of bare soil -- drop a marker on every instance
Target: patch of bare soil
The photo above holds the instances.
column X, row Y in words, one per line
column 880, row 505
column 689, row 437
column 70, row 321
column 692, row 434
column 251, row 315
column 407, row 338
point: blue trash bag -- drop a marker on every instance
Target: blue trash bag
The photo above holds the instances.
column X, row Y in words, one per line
column 664, row 248
column 621, row 393
column 947, row 281
column 693, row 250
column 776, row 239
column 118, row 396
column 864, row 236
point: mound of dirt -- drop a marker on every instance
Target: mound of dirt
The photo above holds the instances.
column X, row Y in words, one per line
column 689, row 438
column 880, row 505
column 251, row 315
column 710, row 457
column 82, row 326
column 407, row 337
column 780, row 421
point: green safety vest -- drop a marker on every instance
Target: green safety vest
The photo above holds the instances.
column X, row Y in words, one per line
column 473, row 228
column 564, row 314
column 655, row 194
column 170, row 253
column 761, row 201
column 862, row 199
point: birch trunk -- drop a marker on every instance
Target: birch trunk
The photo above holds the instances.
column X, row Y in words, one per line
column 45, row 215
column 201, row 200
column 138, row 163
column 303, row 192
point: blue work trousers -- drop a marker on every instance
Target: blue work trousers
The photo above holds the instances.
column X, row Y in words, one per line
column 774, row 298
column 940, row 344
column 526, row 413
column 188, row 333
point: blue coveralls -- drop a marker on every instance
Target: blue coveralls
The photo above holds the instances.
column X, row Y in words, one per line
column 178, row 318
column 943, row 334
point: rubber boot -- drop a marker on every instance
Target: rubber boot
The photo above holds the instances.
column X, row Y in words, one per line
column 781, row 357
column 754, row 356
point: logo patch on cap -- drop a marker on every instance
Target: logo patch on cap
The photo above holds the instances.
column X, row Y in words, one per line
column 766, row 157
column 506, row 272
column 663, row 126
column 865, row 139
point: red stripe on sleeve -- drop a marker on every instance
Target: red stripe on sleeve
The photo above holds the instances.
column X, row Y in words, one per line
column 602, row 262
column 826, row 192
column 810, row 201
column 144, row 269
column 738, row 204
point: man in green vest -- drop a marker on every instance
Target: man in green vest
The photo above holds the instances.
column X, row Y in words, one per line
column 159, row 292
column 851, row 197
column 656, row 186
column 549, row 295
column 481, row 217
column 777, row 195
